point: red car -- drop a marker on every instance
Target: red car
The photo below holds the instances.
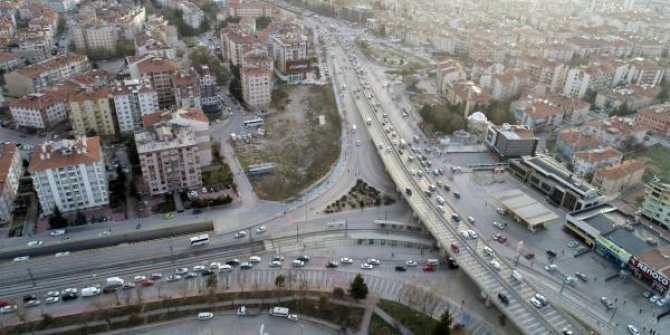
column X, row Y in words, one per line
column 429, row 268
column 500, row 238
column 5, row 302
column 147, row 282
column 455, row 248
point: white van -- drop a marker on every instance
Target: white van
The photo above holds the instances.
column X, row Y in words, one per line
column 205, row 316
column 279, row 311
column 242, row 310
column 433, row 261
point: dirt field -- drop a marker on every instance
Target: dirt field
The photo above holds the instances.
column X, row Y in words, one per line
column 302, row 150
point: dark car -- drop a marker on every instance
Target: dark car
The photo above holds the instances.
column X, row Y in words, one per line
column 457, row 195
column 69, row 296
column 408, row 192
column 233, row 262
column 148, row 282
column 447, row 188
column 331, row 265
column 452, row 263
column 400, row 268
column 456, row 217
column 5, row 302
column 206, row 272
column 29, row 297
column 455, row 248
column 197, row 211
column 503, row 298
column 303, row 258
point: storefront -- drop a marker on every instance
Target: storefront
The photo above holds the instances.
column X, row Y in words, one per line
column 611, row 252
column 655, row 279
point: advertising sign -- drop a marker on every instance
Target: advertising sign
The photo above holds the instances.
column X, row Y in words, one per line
column 622, row 254
column 649, row 273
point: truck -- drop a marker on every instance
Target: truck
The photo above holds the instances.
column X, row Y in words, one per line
column 369, row 121
column 114, row 282
column 90, row 291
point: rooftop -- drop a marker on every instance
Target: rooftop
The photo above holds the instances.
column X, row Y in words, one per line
column 554, row 170
column 66, row 152
column 620, row 170
column 528, row 209
column 597, row 155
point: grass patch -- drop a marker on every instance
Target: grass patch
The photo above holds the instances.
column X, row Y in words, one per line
column 302, row 150
column 657, row 159
column 379, row 327
column 417, row 322
column 361, row 195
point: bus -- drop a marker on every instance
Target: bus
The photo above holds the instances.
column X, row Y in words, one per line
column 257, row 122
column 199, row 240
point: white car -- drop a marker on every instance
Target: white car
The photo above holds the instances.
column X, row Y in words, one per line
column 215, row 266
column 198, row 268
column 499, row 225
column 254, row 259
column 21, row 258
column 226, row 267
column 138, row 279
column 52, row 294
column 275, row 264
column 7, row 309
column 536, row 303
column 62, row 254
column 57, row 232
column 373, row 261
column 35, row 243
column 495, row 264
column 633, row 330
column 550, row 267
column 52, row 300
column 501, row 211
column 346, row 260
column 366, row 266
column 261, row 229
column 241, row 234
column 411, row 263
column 489, row 252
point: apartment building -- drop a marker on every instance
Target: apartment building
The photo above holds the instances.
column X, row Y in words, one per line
column 11, row 170
column 194, row 120
column 448, row 73
column 645, row 72
column 159, row 73
column 577, row 82
column 538, row 115
column 656, row 205
column 34, row 49
column 289, row 51
column 633, row 97
column 207, row 83
column 100, row 37
column 169, row 158
column 39, row 110
column 511, row 141
column 10, row 61
column 186, row 89
column 37, row 77
column 233, row 42
column 191, row 14
column 256, row 73
column 132, row 100
column 93, row 111
column 618, row 177
column 586, row 162
column 655, row 118
column 69, row 174
column 252, row 9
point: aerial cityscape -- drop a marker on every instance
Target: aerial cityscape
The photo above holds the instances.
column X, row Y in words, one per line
column 482, row 167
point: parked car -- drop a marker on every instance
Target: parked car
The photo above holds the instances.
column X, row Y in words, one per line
column 608, row 304
column 346, row 260
column 411, row 263
column 503, row 298
column 550, row 267
column 581, row 276
column 400, row 268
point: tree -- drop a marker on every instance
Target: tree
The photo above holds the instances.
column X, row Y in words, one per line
column 280, row 281
column 358, row 289
column 80, row 219
column 262, row 22
column 444, row 326
column 212, row 281
column 56, row 220
column 338, row 292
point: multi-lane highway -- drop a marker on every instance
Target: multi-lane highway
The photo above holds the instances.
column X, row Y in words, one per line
column 492, row 281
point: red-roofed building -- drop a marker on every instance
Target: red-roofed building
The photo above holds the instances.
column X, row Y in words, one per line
column 571, row 140
column 585, row 162
column 618, row 177
column 39, row 110
column 186, row 90
column 159, row 73
column 37, row 77
column 615, row 130
column 11, row 170
column 539, row 115
column 655, row 118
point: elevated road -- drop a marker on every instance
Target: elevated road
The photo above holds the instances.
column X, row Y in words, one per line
column 491, row 281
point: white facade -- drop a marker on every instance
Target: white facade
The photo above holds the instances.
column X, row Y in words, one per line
column 191, row 14
column 132, row 101
column 11, row 169
column 256, row 86
column 38, row 111
column 576, row 83
column 69, row 174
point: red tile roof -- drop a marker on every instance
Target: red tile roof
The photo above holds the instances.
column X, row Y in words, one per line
column 57, row 159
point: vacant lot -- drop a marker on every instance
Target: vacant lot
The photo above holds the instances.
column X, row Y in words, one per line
column 302, row 149
column 657, row 159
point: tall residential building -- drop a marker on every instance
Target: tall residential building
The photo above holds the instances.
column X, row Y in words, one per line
column 253, row 9
column 208, row 94
column 133, row 100
column 11, row 170
column 577, row 82
column 95, row 37
column 256, row 73
column 39, row 110
column 37, row 77
column 290, row 53
column 92, row 110
column 169, row 158
column 69, row 174
column 191, row 14
column 656, row 205
column 159, row 73
column 186, row 90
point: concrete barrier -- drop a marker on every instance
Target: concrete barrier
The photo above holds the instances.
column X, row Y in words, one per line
column 134, row 236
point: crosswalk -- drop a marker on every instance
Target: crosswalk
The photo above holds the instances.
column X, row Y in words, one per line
column 327, row 280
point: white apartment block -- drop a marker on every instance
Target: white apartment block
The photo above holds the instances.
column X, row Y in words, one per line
column 69, row 174
column 39, row 110
column 133, row 100
column 256, row 86
column 98, row 37
column 191, row 14
column 577, row 82
column 40, row 76
column 11, row 170
column 169, row 159
column 288, row 49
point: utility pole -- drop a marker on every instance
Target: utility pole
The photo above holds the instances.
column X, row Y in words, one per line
column 32, row 279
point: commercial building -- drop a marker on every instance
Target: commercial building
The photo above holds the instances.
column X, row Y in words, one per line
column 511, row 141
column 656, row 205
column 132, row 100
column 655, row 118
column 37, row 77
column 169, row 158
column 11, row 170
column 159, row 73
column 69, row 174
column 39, row 110
column 622, row 240
column 93, row 111
column 558, row 184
